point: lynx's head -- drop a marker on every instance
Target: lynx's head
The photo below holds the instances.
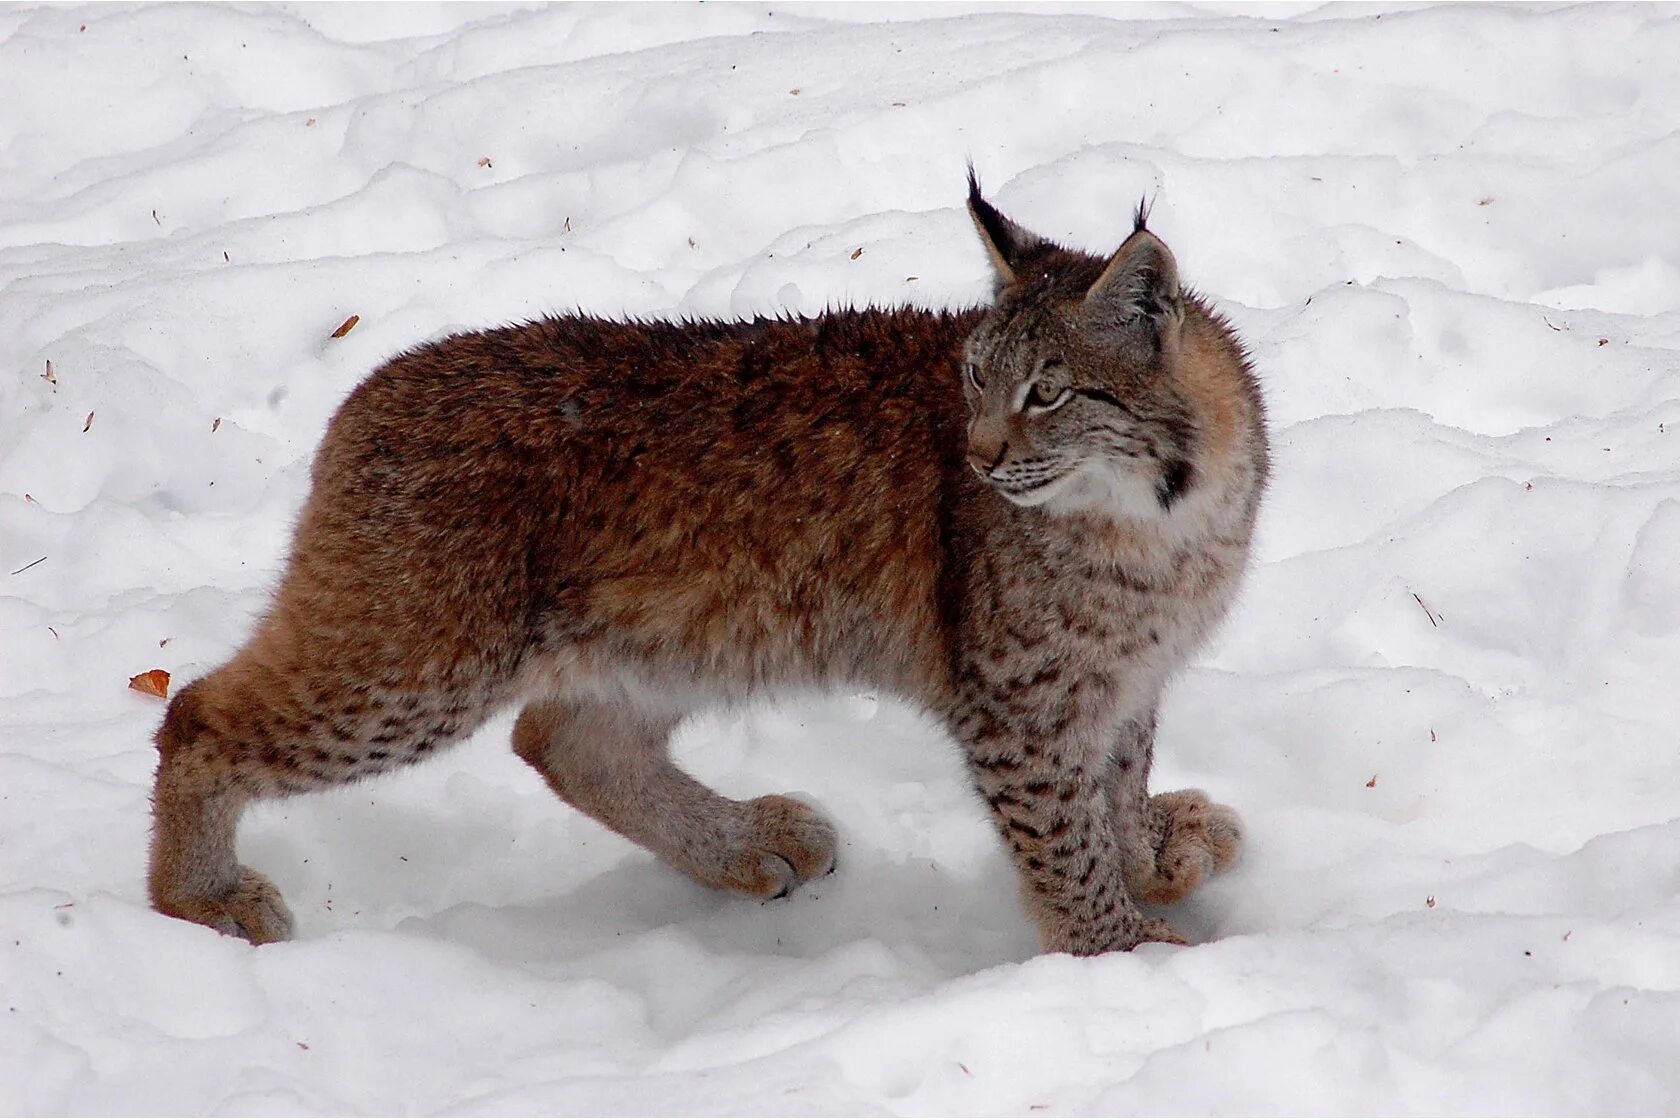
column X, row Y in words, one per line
column 1072, row 377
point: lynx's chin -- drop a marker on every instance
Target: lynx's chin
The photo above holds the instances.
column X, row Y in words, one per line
column 1043, row 493
column 1106, row 487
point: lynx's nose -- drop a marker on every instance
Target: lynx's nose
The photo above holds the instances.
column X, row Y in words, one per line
column 984, row 455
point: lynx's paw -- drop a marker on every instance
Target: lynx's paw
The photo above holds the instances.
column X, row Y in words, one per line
column 789, row 843
column 1197, row 838
column 252, row 910
column 1154, row 929
column 1119, row 933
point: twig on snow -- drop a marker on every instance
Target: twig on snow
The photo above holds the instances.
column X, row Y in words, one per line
column 1426, row 610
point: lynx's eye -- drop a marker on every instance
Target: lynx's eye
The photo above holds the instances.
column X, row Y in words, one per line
column 974, row 378
column 1046, row 398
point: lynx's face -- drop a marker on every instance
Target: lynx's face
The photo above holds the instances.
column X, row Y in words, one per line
column 1057, row 412
column 1071, row 378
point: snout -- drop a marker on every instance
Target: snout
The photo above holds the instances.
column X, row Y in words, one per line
column 986, row 449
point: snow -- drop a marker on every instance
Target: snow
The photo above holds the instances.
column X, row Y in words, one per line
column 1445, row 705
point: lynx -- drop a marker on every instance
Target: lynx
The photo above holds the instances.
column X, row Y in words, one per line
column 1023, row 517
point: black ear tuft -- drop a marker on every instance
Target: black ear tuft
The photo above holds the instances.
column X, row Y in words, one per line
column 1140, row 216
column 993, row 225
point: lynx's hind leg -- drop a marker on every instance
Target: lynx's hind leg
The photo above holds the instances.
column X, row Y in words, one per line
column 267, row 726
column 610, row 761
column 197, row 799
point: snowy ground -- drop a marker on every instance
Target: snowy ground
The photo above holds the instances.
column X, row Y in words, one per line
column 1447, row 703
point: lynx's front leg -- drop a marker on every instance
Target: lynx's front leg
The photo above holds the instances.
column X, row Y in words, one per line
column 1048, row 796
column 1169, row 843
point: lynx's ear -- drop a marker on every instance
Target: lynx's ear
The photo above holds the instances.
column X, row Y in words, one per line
column 1139, row 288
column 1006, row 243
